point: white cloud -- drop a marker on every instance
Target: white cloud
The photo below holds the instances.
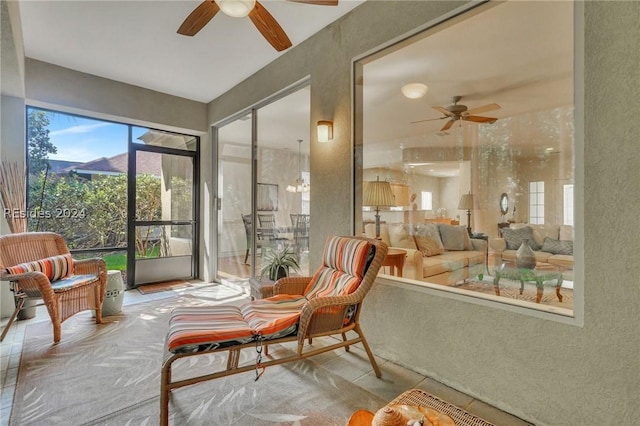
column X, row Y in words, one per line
column 82, row 128
column 74, row 153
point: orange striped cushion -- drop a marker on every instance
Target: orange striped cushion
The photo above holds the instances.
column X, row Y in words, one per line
column 344, row 264
column 275, row 316
column 54, row 268
column 199, row 328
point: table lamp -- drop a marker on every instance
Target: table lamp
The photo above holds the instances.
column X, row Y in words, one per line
column 466, row 203
column 378, row 194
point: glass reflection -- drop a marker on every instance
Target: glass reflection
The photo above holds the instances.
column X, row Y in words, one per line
column 498, row 118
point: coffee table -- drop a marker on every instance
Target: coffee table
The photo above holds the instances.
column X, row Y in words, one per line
column 527, row 275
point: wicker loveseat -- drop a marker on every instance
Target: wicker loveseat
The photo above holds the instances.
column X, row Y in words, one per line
column 39, row 266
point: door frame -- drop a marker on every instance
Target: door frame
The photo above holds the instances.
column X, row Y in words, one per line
column 132, row 221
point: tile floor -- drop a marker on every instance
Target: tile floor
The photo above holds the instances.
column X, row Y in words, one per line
column 353, row 366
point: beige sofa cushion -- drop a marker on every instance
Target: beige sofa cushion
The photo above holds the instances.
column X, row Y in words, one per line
column 566, row 233
column 562, row 260
column 541, row 256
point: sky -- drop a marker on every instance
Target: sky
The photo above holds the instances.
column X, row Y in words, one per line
column 83, row 139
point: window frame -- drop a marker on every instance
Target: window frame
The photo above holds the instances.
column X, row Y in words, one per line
column 577, row 316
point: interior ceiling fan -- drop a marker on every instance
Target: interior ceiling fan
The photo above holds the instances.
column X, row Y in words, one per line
column 261, row 18
column 457, row 112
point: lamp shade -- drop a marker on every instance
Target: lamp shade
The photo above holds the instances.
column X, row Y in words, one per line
column 466, row 202
column 378, row 193
column 400, row 194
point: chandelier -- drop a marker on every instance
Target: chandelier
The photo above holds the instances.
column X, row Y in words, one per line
column 300, row 185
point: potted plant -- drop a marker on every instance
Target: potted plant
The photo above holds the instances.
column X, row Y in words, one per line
column 276, row 263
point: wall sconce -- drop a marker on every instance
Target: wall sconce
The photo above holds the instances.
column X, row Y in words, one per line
column 325, row 131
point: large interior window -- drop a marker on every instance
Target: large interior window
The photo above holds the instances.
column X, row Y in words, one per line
column 475, row 118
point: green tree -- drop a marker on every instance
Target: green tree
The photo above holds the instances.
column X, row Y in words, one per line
column 38, row 142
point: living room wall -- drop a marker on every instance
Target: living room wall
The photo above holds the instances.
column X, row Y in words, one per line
column 543, row 369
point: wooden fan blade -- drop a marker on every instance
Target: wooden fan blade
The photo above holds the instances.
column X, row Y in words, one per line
column 200, row 16
column 318, row 2
column 442, row 110
column 484, row 108
column 428, row 119
column 448, row 125
column 269, row 28
column 478, row 119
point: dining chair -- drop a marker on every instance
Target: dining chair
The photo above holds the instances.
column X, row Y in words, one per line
column 270, row 231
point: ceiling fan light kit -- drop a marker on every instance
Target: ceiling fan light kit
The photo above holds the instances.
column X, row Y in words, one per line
column 414, row 90
column 261, row 18
column 236, row 8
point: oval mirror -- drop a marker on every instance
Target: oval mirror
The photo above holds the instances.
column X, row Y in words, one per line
column 504, row 203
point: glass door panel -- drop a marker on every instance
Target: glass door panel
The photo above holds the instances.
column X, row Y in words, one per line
column 283, row 163
column 164, row 225
column 235, row 240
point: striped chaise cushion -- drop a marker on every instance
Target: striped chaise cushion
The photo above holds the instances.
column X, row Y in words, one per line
column 199, row 328
column 55, row 267
column 193, row 329
column 274, row 317
column 344, row 264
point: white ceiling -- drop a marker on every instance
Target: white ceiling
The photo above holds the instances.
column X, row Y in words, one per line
column 136, row 41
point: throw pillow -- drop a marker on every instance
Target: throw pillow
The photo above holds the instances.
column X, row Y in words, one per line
column 557, row 246
column 400, row 237
column 515, row 237
column 429, row 230
column 428, row 245
column 454, row 237
column 55, row 267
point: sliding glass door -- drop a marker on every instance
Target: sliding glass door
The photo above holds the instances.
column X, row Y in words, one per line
column 263, row 186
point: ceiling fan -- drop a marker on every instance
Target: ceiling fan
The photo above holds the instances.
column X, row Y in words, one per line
column 261, row 18
column 457, row 112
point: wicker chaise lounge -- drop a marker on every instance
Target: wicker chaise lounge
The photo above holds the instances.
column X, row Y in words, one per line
column 302, row 308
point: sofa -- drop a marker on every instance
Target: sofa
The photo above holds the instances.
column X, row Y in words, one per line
column 551, row 244
column 436, row 252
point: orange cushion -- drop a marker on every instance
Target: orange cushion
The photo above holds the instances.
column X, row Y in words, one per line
column 55, row 267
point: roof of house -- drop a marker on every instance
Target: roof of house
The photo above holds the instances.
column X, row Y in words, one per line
column 146, row 162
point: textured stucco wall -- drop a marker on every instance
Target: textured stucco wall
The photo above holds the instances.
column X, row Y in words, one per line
column 546, row 371
column 49, row 84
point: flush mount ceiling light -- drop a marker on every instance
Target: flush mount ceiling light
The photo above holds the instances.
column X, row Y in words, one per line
column 414, row 90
